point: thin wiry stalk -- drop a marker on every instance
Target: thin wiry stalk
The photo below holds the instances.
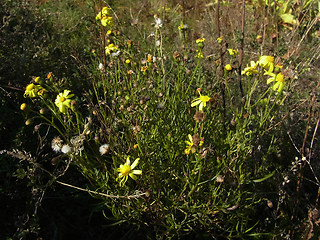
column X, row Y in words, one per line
column 220, row 70
column 241, row 46
column 134, row 196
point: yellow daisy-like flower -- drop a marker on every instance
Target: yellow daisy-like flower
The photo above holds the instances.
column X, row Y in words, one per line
column 233, row 52
column 200, row 42
column 220, row 39
column 192, row 144
column 104, row 17
column 182, row 26
column 32, row 90
column 267, row 62
column 250, row 70
column 189, row 146
column 37, row 80
column 107, row 21
column 144, row 69
column 63, row 101
column 278, row 79
column 126, row 170
column 111, row 48
column 106, row 11
column 201, row 101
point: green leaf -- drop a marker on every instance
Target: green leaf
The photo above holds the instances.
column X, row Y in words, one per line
column 288, row 18
column 264, row 178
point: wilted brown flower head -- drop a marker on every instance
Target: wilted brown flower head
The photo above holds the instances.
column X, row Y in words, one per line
column 199, row 116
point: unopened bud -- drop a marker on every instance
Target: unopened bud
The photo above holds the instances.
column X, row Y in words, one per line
column 23, row 106
column 28, row 121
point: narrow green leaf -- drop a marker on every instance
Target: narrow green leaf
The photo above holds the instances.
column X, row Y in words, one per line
column 264, row 178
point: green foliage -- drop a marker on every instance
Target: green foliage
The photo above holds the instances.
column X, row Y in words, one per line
column 139, row 107
column 177, row 139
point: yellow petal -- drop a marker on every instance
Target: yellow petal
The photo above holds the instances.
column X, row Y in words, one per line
column 137, row 172
column 135, row 163
column 195, row 102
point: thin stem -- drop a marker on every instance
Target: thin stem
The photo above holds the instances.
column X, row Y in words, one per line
column 103, row 194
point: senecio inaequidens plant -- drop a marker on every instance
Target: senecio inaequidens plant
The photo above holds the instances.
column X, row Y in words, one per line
column 195, row 148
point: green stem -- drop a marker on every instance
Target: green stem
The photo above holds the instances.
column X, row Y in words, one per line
column 194, row 73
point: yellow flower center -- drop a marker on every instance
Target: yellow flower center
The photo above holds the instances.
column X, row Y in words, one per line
column 204, row 99
column 270, row 59
column 280, row 78
column 62, row 99
column 125, row 169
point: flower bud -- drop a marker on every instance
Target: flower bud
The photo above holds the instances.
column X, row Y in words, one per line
column 23, row 106
column 228, row 67
column 42, row 111
column 28, row 121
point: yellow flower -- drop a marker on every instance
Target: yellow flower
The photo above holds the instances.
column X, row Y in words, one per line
column 233, row 52
column 106, row 11
column 127, row 61
column 199, row 54
column 32, row 90
column 278, row 79
column 144, row 69
column 126, row 170
column 219, row 39
column 249, row 70
column 107, row 21
column 37, row 80
column 111, row 48
column 63, row 101
column 193, row 143
column 228, row 67
column 104, row 17
column 98, row 17
column 50, row 75
column 266, row 62
column 189, row 146
column 182, row 26
column 201, row 101
column 200, row 42
column 150, row 58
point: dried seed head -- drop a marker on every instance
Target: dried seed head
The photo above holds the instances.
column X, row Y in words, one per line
column 196, row 140
column 269, row 203
column 199, row 116
column 220, row 179
column 177, row 56
column 56, row 144
column 103, row 149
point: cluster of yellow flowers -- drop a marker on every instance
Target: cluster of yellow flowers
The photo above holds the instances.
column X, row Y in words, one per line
column 111, row 48
column 104, row 17
column 267, row 63
column 34, row 90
